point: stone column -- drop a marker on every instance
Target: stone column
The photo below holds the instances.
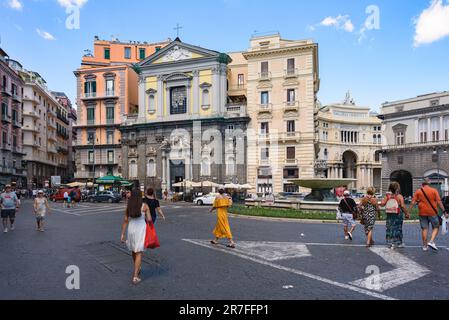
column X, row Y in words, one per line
column 340, row 173
column 167, row 160
column 362, row 178
column 223, row 90
column 164, row 171
column 142, row 95
column 215, row 90
column 370, row 184
column 160, row 97
column 429, row 130
column 441, row 129
column 196, row 91
column 416, row 131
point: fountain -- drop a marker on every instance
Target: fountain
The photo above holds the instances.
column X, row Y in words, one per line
column 321, row 188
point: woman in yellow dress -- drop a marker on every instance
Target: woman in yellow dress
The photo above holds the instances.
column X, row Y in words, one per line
column 222, row 229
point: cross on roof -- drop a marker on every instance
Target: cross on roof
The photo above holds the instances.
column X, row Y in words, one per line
column 177, row 28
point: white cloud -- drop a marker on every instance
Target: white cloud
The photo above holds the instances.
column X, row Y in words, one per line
column 339, row 22
column 69, row 3
column 15, row 4
column 432, row 24
column 46, row 35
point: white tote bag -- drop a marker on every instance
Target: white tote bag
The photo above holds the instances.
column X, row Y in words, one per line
column 445, row 226
column 339, row 216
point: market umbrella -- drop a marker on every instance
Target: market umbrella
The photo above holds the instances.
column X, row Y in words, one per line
column 232, row 186
column 186, row 184
column 109, row 180
column 76, row 184
column 247, row 186
column 209, row 184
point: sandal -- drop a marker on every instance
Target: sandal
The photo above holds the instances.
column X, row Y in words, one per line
column 214, row 242
column 232, row 246
column 136, row 280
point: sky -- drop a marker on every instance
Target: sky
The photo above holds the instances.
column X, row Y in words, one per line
column 379, row 50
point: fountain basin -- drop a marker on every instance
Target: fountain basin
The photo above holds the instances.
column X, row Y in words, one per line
column 321, row 188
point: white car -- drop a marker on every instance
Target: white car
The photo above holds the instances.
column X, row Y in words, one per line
column 207, row 199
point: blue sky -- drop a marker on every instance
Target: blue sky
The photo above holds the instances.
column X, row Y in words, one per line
column 406, row 56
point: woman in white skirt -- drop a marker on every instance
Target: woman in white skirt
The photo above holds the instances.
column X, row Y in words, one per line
column 135, row 214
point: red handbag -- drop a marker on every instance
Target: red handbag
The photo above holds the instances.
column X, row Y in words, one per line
column 151, row 240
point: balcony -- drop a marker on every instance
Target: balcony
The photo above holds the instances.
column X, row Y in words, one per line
column 291, row 106
column 110, row 121
column 5, row 146
column 291, row 73
column 6, row 118
column 30, row 128
column 16, row 123
column 51, row 113
column 62, row 150
column 52, row 149
column 51, row 125
column 17, row 150
column 52, row 137
column 4, row 90
column 7, row 170
column 236, row 109
column 266, row 108
column 31, row 99
column 31, row 114
column 16, row 97
column 110, row 93
column 34, row 144
column 90, row 95
column 97, row 95
column 265, row 76
column 237, row 90
column 290, row 136
column 291, row 162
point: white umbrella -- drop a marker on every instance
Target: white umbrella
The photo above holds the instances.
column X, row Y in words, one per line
column 232, row 186
column 208, row 184
column 186, row 184
column 246, row 186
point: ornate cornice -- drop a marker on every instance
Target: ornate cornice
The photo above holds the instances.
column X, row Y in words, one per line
column 252, row 54
column 416, row 112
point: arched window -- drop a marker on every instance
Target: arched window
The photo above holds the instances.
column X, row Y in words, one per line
column 379, row 139
column 151, row 104
column 206, row 98
column 326, row 154
column 151, row 168
column 205, row 167
column 133, row 169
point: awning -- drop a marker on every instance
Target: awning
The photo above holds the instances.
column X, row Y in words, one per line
column 75, row 184
column 109, row 180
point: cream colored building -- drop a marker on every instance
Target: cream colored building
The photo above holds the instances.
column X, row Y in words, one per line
column 282, row 84
column 349, row 140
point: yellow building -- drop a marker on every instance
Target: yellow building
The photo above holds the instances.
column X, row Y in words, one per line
column 349, row 139
column 282, row 84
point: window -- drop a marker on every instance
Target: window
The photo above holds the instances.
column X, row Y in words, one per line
column 142, row 54
column 291, row 188
column 91, row 157
column 110, row 110
column 291, row 126
column 127, row 52
column 264, row 98
column 291, row 153
column 90, row 115
column 158, row 49
column 151, row 168
column 178, row 100
column 325, row 154
column 90, row 89
column 291, row 173
column 111, row 156
column 107, row 53
column 291, row 95
column 400, row 138
column 4, row 139
column 133, row 169
column 241, row 81
column 291, row 66
column 423, row 137
column 264, row 154
column 90, row 137
column 110, row 90
column 264, row 128
column 151, row 104
column 110, row 137
column 264, row 69
column 435, row 126
column 205, row 98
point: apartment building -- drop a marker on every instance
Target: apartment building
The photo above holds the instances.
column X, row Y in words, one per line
column 11, row 149
column 282, row 84
column 107, row 90
column 44, row 132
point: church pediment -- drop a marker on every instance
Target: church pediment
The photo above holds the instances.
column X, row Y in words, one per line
column 178, row 51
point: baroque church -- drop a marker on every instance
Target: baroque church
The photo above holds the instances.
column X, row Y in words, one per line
column 185, row 128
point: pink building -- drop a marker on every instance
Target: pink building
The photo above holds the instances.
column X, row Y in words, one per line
column 11, row 148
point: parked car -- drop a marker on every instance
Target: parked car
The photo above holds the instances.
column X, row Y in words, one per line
column 105, row 196
column 207, row 199
column 59, row 195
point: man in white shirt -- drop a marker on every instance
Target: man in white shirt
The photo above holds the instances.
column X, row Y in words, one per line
column 66, row 199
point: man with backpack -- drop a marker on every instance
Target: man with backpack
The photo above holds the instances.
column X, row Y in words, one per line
column 348, row 209
column 428, row 200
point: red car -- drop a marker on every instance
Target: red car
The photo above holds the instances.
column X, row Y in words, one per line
column 59, row 195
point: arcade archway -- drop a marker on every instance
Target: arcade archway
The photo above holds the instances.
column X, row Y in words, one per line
column 405, row 179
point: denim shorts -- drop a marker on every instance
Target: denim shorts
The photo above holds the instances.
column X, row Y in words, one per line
column 348, row 220
column 425, row 220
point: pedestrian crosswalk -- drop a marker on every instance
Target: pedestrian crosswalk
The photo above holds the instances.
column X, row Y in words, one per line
column 88, row 209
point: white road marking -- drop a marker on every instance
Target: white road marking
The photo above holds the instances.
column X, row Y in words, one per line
column 273, row 251
column 358, row 245
column 406, row 271
column 206, row 244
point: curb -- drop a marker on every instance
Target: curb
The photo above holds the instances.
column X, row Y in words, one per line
column 311, row 221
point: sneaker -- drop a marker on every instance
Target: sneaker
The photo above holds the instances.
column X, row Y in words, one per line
column 12, row 228
column 5, row 230
column 346, row 238
column 432, row 246
column 402, row 245
column 425, row 248
column 350, row 236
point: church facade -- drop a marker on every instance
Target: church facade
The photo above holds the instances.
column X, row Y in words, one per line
column 187, row 126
